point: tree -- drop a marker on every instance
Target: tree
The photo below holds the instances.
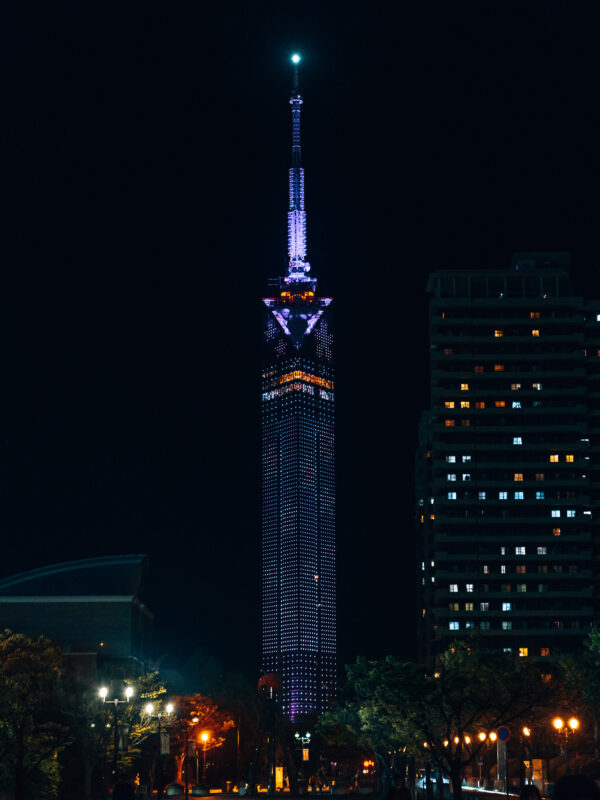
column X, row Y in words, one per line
column 439, row 715
column 32, row 725
column 197, row 714
column 581, row 681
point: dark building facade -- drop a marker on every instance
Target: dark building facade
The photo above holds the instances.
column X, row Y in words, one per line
column 298, row 480
column 507, row 472
column 91, row 608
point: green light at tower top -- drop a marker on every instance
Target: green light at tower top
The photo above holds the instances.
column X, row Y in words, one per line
column 296, row 58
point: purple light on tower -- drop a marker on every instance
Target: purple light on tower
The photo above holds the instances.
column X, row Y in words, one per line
column 298, row 470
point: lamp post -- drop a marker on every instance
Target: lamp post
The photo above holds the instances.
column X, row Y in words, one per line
column 304, row 743
column 193, row 721
column 566, row 729
column 204, row 737
column 525, row 751
column 116, row 702
column 159, row 714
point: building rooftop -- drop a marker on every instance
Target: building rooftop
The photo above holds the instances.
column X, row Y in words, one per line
column 108, row 575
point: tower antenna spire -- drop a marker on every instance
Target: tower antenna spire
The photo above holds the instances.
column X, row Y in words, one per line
column 298, row 267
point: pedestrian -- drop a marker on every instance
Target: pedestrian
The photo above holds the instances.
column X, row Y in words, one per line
column 576, row 787
column 123, row 789
column 530, row 792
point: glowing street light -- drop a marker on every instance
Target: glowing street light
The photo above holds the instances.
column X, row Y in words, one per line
column 526, row 731
column 150, row 710
column 204, row 737
column 116, row 702
column 482, row 736
column 296, row 58
column 566, row 730
column 493, row 736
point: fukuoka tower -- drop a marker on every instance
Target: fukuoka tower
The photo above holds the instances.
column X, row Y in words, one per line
column 298, row 475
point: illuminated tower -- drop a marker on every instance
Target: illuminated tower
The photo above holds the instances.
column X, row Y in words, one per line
column 298, row 482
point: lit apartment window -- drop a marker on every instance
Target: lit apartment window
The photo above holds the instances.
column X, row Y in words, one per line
column 517, row 440
column 521, row 569
column 544, row 651
column 480, row 404
column 486, row 569
column 519, row 495
column 516, row 404
column 570, row 512
column 505, row 587
column 539, row 495
column 498, row 334
column 539, row 476
column 506, row 606
column 482, row 495
column 454, row 606
column 451, row 476
column 449, row 423
column 451, row 459
column 448, row 351
column 466, row 476
column 465, row 459
column 464, row 387
column 570, row 458
column 465, row 404
column 454, row 626
column 507, row 649
column 555, row 512
column 498, row 367
column 520, row 550
column 478, row 368
column 537, row 386
column 469, row 606
column 506, row 625
column 469, row 587
column 535, row 332
column 521, row 587
column 534, row 315
column 500, row 404
column 484, row 606
column 454, row 587
column 556, row 531
column 523, row 652
column 449, row 404
column 502, row 495
column 502, row 569
column 554, row 458
column 518, row 476
column 451, row 495
column 503, row 551
column 466, row 423
column 542, row 551
column 514, row 387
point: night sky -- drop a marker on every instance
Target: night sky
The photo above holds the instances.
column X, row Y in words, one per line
column 144, row 152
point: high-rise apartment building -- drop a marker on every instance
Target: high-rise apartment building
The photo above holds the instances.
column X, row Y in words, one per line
column 298, row 482
column 507, row 464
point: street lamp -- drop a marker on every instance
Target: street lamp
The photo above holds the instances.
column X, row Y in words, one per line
column 204, row 737
column 566, row 729
column 159, row 714
column 116, row 702
column 303, row 742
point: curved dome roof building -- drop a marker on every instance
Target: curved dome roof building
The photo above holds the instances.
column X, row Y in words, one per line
column 91, row 608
